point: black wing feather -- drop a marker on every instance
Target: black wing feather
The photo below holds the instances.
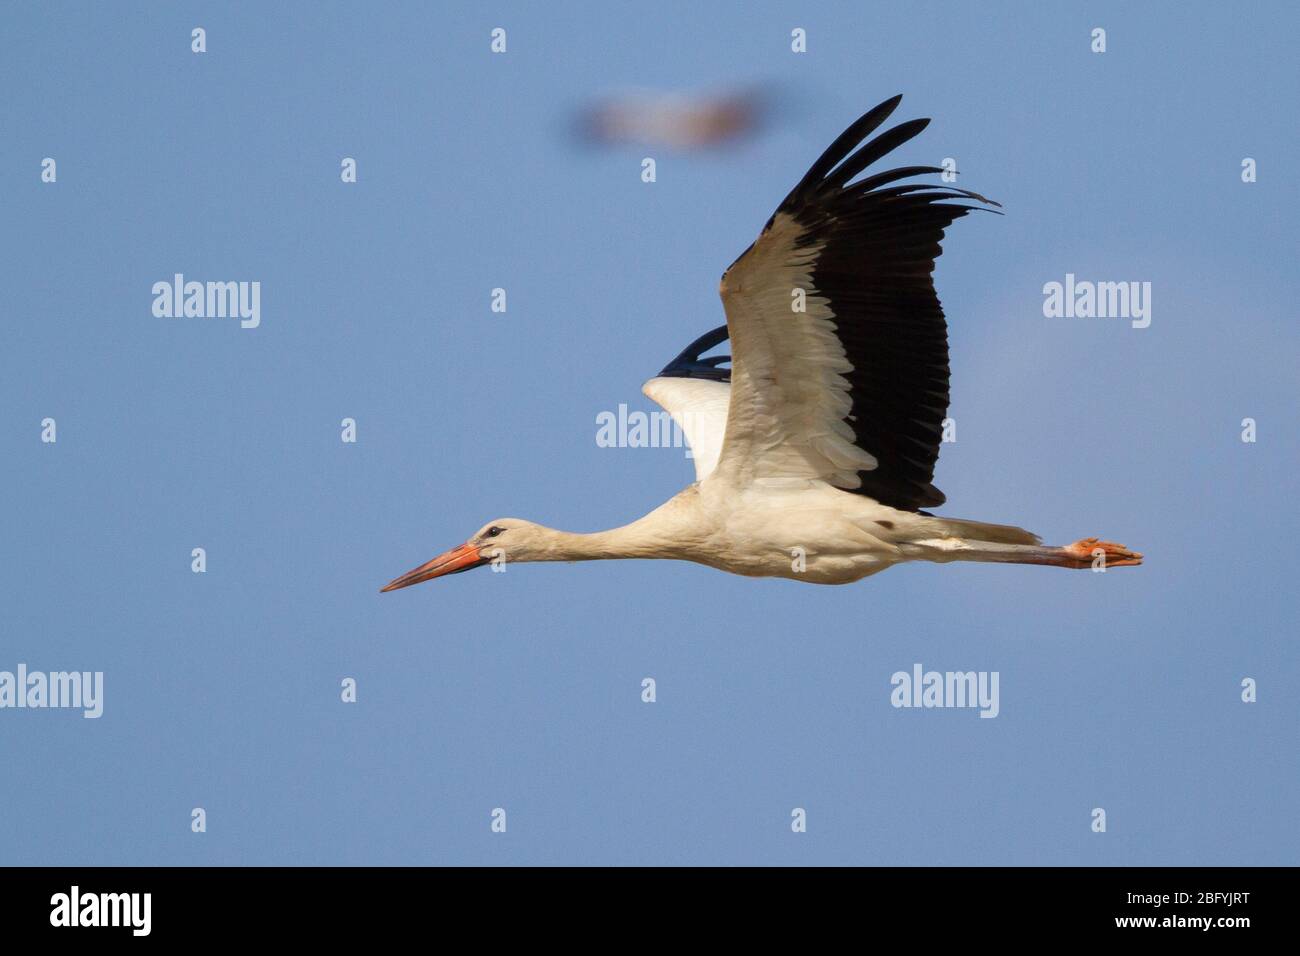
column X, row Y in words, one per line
column 844, row 144
column 689, row 364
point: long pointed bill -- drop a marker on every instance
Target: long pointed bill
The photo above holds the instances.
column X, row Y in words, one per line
column 452, row 562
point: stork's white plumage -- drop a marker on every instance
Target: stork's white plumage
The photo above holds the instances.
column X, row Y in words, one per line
column 814, row 453
column 699, row 407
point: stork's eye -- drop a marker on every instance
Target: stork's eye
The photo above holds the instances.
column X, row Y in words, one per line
column 493, row 531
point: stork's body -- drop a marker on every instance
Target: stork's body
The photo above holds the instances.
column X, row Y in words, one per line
column 813, row 533
column 815, row 451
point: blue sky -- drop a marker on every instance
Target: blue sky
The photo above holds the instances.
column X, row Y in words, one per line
column 522, row 690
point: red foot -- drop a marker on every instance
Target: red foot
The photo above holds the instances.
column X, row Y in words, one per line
column 1082, row 554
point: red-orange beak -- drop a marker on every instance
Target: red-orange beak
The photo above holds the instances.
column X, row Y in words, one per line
column 451, row 562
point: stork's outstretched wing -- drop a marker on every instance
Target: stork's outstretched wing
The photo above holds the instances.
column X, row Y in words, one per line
column 699, row 407
column 694, row 391
column 853, row 389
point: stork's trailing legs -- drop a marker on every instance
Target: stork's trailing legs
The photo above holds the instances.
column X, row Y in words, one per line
column 1084, row 553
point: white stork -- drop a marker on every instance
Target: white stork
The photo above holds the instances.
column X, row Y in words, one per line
column 815, row 451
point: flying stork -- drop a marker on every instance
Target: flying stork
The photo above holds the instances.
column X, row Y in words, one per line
column 820, row 440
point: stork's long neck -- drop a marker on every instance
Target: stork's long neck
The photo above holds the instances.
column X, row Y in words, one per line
column 663, row 533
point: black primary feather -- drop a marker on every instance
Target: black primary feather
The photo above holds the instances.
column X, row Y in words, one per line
column 689, row 364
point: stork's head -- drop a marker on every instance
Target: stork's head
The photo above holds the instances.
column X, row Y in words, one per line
column 500, row 541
